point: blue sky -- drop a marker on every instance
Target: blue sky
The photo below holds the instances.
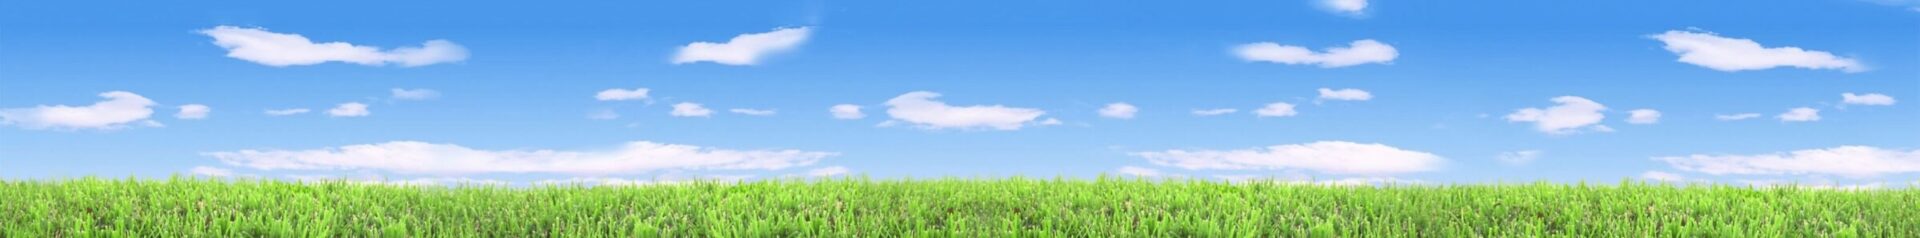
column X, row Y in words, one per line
column 1447, row 90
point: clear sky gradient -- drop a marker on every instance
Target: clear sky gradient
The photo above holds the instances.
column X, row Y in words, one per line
column 520, row 106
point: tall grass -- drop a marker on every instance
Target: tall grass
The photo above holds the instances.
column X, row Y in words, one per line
column 1105, row 207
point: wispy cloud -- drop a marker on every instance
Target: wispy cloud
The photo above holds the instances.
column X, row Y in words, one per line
column 1359, row 52
column 120, row 109
column 746, row 49
column 1332, row 157
column 920, row 109
column 1572, row 115
column 1851, row 161
column 280, row 49
column 413, row 157
column 413, row 94
column 1713, row 51
column 688, row 109
column 1119, row 110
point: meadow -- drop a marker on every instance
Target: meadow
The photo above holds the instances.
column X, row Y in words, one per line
column 1018, row 207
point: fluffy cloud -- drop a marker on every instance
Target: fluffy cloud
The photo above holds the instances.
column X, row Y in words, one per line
column 1800, row 114
column 413, row 157
column 746, row 49
column 1278, row 109
column 1359, row 52
column 752, row 112
column 1707, row 49
column 1353, row 7
column 1214, row 112
column 1119, row 110
column 1348, row 94
column 846, row 112
column 1736, row 117
column 118, row 110
column 1138, row 171
column 1643, row 116
column 828, row 171
column 1519, row 157
column 1570, row 116
column 280, row 49
column 1331, row 157
column 919, row 108
column 1851, row 161
column 287, row 112
column 617, row 94
column 1873, row 99
column 687, row 109
column 414, row 94
column 352, row 109
column 193, row 112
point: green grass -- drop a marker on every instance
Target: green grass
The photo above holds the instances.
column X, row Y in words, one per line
column 1107, row 207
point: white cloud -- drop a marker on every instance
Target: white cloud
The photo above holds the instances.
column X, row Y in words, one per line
column 846, row 112
column 118, row 110
column 828, row 171
column 1736, row 117
column 1571, row 115
column 1214, row 112
column 281, row 50
column 1119, row 110
column 193, row 112
column 414, row 94
column 1332, row 157
column 1851, row 161
column 687, row 109
column 617, row 94
column 413, row 157
column 1662, row 176
column 286, row 112
column 1353, row 7
column 752, row 112
column 1866, row 99
column 1707, row 49
column 1051, row 122
column 1519, row 157
column 1348, row 94
column 352, row 109
column 1643, row 116
column 1800, row 114
column 1138, row 171
column 1359, row 52
column 746, row 49
column 210, row 171
column 920, row 108
column 1278, row 109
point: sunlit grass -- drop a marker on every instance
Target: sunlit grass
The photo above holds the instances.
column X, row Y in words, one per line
column 1106, row 207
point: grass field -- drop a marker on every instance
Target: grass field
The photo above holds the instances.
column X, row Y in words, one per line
column 1107, row 207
